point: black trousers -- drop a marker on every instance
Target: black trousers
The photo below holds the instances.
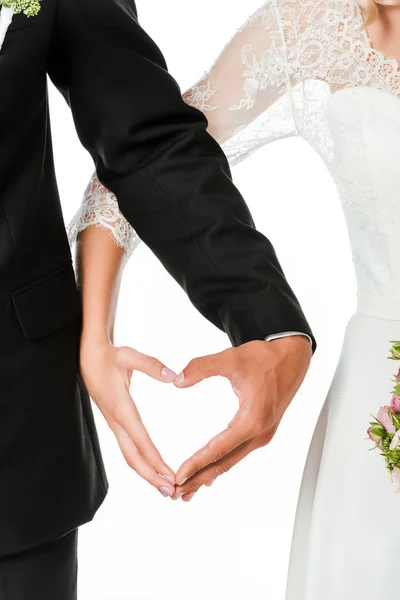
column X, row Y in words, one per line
column 47, row 572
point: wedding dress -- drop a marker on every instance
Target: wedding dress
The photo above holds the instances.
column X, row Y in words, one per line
column 308, row 68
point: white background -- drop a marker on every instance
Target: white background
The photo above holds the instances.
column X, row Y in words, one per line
column 233, row 540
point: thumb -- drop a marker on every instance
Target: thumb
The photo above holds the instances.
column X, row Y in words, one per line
column 201, row 368
column 137, row 361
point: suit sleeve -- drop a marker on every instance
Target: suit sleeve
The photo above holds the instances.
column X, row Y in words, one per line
column 171, row 178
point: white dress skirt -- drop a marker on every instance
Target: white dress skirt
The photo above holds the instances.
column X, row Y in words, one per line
column 346, row 541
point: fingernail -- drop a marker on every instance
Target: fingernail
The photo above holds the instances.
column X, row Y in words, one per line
column 165, row 491
column 189, row 497
column 178, row 496
column 167, row 374
column 182, row 481
column 180, row 378
column 169, row 478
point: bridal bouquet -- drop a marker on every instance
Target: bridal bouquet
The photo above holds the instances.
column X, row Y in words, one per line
column 385, row 429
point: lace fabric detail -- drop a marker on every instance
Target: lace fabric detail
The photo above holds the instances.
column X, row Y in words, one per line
column 248, row 83
column 266, row 67
column 199, row 95
column 328, row 49
column 305, row 48
column 100, row 207
column 326, row 40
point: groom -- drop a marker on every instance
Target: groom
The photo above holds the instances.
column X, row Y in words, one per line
column 174, row 186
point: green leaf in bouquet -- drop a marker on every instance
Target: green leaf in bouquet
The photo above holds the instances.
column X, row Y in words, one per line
column 389, row 465
column 387, row 440
column 378, row 430
column 395, row 350
column 394, row 457
column 396, row 420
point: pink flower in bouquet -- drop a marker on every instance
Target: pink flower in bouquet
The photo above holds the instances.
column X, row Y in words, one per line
column 395, row 404
column 385, row 418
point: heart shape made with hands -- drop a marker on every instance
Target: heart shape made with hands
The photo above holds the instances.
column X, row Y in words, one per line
column 264, row 376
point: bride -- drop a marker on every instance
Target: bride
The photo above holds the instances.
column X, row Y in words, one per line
column 325, row 70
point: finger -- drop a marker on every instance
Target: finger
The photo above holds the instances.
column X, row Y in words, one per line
column 186, row 497
column 148, row 449
column 208, row 475
column 139, row 464
column 131, row 359
column 237, row 432
column 180, row 492
column 204, row 367
column 129, row 419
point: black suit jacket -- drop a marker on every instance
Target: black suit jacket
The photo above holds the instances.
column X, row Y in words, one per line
column 173, row 184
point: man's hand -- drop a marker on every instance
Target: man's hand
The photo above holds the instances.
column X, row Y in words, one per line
column 107, row 371
column 265, row 376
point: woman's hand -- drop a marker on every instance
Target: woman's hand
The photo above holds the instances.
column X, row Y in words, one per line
column 107, row 371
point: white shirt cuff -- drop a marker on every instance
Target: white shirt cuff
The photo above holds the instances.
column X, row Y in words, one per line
column 275, row 336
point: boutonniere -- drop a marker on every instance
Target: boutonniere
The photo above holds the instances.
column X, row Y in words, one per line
column 30, row 8
column 385, row 429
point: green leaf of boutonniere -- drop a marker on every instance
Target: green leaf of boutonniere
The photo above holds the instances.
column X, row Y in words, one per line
column 30, row 8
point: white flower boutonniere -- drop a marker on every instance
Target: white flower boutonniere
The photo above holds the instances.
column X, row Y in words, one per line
column 30, row 8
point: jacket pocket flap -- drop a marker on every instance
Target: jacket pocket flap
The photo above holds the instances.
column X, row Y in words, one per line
column 47, row 303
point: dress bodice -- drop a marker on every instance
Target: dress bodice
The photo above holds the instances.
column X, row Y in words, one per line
column 365, row 132
column 308, row 68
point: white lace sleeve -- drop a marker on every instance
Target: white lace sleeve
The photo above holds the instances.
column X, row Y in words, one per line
column 100, row 207
column 260, row 89
column 247, row 95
